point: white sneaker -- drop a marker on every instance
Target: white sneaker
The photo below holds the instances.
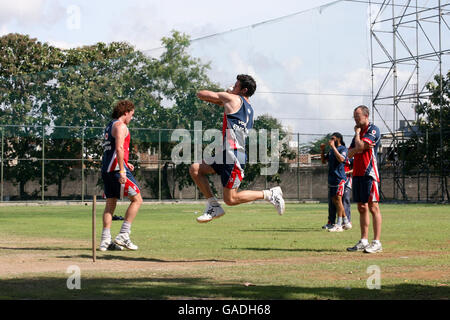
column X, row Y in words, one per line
column 358, row 247
column 347, row 226
column 104, row 244
column 276, row 198
column 336, row 228
column 211, row 212
column 374, row 247
column 123, row 240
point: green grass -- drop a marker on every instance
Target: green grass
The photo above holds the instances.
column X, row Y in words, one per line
column 282, row 257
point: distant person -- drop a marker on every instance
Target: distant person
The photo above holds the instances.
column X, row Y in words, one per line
column 346, row 199
column 365, row 179
column 336, row 158
column 117, row 177
column 237, row 120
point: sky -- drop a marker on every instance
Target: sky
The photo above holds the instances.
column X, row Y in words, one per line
column 310, row 58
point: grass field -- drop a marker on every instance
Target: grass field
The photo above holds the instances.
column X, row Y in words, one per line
column 250, row 253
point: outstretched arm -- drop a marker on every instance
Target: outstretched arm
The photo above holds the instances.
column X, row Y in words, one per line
column 227, row 100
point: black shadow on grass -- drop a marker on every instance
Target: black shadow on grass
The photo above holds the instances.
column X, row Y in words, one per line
column 140, row 259
column 42, row 248
column 284, row 230
column 287, row 249
column 127, row 287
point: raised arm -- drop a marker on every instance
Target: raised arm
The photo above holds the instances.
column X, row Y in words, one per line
column 338, row 156
column 360, row 145
column 227, row 100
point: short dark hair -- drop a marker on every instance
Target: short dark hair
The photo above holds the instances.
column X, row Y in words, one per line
column 364, row 109
column 122, row 107
column 247, row 82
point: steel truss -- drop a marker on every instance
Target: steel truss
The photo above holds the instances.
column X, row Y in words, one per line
column 408, row 38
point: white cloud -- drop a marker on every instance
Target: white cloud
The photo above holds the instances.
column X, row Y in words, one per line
column 65, row 44
column 3, row 30
column 21, row 10
column 30, row 13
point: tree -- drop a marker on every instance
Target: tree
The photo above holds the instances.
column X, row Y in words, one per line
column 23, row 89
column 252, row 171
column 314, row 146
column 71, row 93
column 422, row 151
column 178, row 77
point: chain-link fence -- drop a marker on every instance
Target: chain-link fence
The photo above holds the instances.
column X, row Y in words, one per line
column 44, row 163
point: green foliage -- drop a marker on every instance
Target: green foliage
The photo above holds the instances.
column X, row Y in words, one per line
column 423, row 149
column 71, row 93
column 314, row 146
column 252, row 171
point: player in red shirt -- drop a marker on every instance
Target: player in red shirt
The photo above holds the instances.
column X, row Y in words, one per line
column 366, row 178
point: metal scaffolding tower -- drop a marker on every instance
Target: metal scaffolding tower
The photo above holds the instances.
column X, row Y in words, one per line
column 409, row 41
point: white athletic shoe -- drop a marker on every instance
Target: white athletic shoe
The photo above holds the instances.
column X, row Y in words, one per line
column 123, row 240
column 276, row 198
column 373, row 247
column 336, row 228
column 104, row 244
column 358, row 247
column 211, row 212
column 347, row 226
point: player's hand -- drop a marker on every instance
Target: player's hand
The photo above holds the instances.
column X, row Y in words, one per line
column 331, row 142
column 123, row 178
column 322, row 146
column 131, row 167
column 357, row 130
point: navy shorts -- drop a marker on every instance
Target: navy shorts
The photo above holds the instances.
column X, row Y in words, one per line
column 336, row 190
column 365, row 190
column 231, row 175
column 112, row 185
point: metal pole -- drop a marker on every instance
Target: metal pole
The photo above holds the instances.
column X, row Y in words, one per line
column 43, row 163
column 159, row 165
column 82, row 165
column 371, row 60
column 298, row 166
column 427, row 163
column 94, row 229
column 440, row 107
column 1, row 174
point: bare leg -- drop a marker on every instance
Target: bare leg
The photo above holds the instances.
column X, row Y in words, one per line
column 108, row 212
column 198, row 173
column 337, row 200
column 232, row 197
column 133, row 208
column 376, row 216
column 364, row 219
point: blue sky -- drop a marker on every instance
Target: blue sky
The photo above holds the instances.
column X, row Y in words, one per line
column 319, row 58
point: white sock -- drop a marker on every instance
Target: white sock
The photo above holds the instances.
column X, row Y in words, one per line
column 213, row 201
column 106, row 234
column 339, row 222
column 364, row 241
column 126, row 227
column 267, row 195
column 346, row 220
